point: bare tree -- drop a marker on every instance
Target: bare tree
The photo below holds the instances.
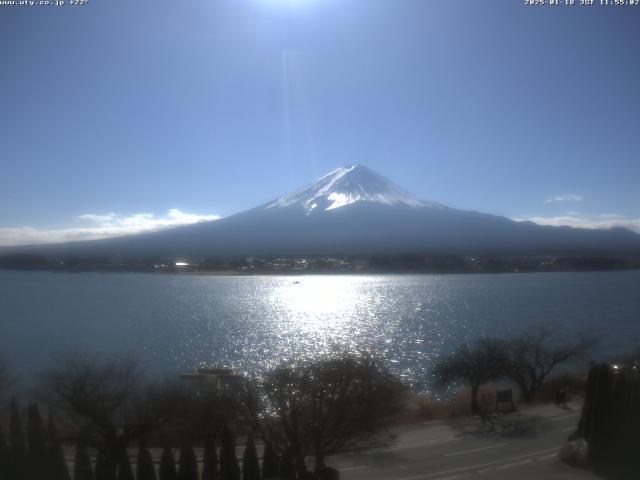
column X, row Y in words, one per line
column 481, row 362
column 110, row 404
column 535, row 354
column 320, row 408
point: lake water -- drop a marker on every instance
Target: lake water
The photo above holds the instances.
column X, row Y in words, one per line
column 172, row 323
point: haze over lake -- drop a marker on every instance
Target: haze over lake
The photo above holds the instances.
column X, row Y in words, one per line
column 173, row 323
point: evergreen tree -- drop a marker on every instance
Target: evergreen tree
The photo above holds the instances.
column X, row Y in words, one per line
column 37, row 444
column 82, row 464
column 250, row 465
column 167, row 465
column 229, row 468
column 100, row 471
column 124, row 467
column 144, row 469
column 104, row 470
column 270, row 462
column 188, row 464
column 18, row 451
column 287, row 471
column 210, row 460
column 112, row 399
column 4, row 455
column 56, row 465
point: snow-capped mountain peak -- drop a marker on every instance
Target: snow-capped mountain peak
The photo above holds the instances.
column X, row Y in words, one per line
column 346, row 186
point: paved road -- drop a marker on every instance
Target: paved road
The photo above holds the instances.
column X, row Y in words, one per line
column 519, row 446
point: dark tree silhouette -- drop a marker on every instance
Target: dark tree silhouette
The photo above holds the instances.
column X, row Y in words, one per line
column 270, row 462
column 82, row 464
column 229, row 468
column 102, row 470
column 210, row 459
column 167, row 469
column 111, row 401
column 323, row 406
column 484, row 361
column 18, row 461
column 250, row 465
column 4, row 455
column 287, row 470
column 37, row 444
column 535, row 354
column 144, row 468
column 125, row 472
column 610, row 421
column 188, row 463
column 57, row 466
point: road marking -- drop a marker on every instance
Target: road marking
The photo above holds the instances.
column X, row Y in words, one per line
column 453, row 454
column 351, row 469
column 474, row 467
column 570, row 429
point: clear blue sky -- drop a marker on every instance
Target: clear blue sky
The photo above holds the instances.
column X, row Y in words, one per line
column 213, row 106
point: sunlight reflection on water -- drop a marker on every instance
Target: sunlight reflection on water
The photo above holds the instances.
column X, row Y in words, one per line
column 282, row 319
column 303, row 317
column 175, row 323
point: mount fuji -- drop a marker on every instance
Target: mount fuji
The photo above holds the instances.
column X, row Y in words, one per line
column 347, row 186
column 352, row 211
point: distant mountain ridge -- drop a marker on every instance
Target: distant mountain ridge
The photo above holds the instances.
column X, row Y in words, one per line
column 353, row 210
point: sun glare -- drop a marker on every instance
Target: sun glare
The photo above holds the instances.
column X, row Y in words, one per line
column 318, row 306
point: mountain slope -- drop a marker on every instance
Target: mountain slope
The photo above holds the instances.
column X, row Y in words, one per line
column 353, row 210
column 347, row 186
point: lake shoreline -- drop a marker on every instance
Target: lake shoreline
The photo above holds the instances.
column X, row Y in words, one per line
column 305, row 273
